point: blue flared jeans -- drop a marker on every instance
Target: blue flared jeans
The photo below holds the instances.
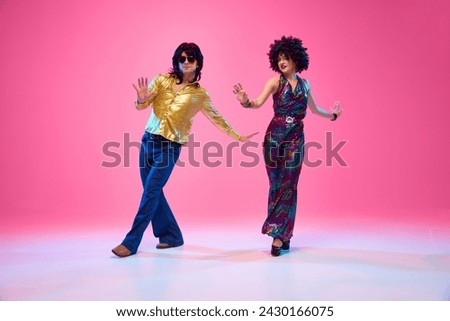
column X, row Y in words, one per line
column 157, row 159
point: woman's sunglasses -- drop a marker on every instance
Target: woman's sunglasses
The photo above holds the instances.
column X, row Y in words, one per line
column 182, row 59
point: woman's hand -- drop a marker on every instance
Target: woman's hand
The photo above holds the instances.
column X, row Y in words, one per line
column 246, row 138
column 143, row 94
column 336, row 109
column 241, row 95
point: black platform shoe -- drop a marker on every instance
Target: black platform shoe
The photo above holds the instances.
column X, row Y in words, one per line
column 286, row 245
column 276, row 250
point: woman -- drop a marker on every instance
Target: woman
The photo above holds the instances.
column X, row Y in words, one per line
column 284, row 139
column 176, row 99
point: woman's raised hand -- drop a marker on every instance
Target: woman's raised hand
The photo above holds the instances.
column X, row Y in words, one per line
column 241, row 95
column 336, row 109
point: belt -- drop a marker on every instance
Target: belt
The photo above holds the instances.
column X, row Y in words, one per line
column 160, row 138
column 289, row 120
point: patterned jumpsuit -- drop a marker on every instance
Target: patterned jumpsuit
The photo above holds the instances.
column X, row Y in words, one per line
column 283, row 154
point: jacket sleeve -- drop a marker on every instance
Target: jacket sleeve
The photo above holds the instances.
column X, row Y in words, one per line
column 217, row 119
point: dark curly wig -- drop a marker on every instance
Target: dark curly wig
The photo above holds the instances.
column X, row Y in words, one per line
column 292, row 48
column 191, row 49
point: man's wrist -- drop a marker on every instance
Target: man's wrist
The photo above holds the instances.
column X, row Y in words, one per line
column 137, row 103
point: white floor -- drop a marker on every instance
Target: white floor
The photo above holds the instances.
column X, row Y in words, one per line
column 229, row 263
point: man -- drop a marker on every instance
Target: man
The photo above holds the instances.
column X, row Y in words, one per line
column 176, row 98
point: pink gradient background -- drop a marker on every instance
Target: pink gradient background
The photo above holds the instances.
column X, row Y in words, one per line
column 66, row 69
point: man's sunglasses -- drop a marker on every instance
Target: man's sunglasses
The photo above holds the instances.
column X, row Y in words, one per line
column 182, row 59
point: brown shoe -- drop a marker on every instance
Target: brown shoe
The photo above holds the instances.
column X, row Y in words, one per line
column 121, row 251
column 162, row 246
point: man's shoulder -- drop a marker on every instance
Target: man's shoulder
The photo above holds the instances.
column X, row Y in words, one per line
column 163, row 80
column 201, row 89
column 165, row 77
